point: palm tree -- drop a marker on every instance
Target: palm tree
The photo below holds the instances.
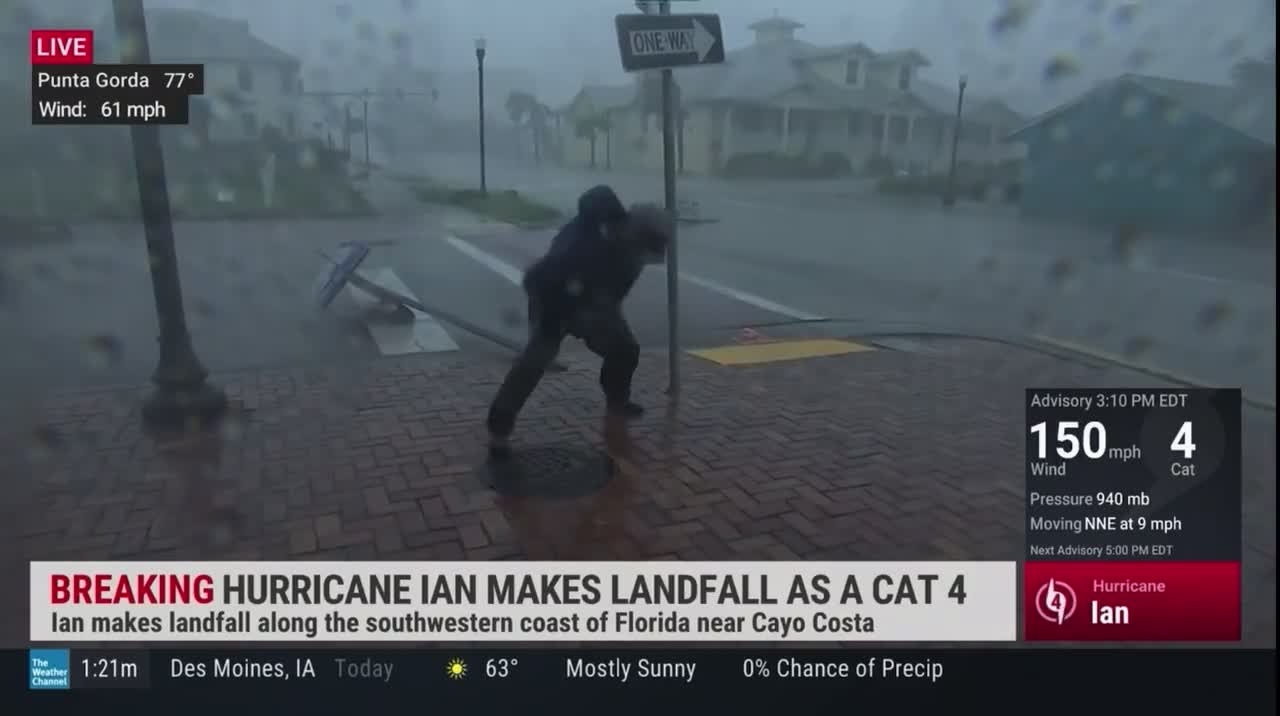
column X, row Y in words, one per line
column 539, row 122
column 604, row 123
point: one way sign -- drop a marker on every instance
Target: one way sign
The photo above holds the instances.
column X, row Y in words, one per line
column 656, row 42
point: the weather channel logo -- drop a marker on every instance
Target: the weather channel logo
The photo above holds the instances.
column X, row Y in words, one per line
column 49, row 669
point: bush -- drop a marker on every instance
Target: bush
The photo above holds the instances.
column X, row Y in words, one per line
column 920, row 185
column 833, row 164
column 506, row 206
column 880, row 167
column 935, row 185
column 760, row 165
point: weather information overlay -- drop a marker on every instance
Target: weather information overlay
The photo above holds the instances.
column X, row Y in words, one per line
column 67, row 88
column 1134, row 515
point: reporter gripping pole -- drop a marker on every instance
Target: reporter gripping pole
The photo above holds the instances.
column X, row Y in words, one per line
column 663, row 41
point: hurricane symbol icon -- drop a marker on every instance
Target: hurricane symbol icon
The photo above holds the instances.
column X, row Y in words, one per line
column 1056, row 601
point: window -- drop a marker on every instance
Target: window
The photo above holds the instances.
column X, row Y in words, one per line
column 898, row 129
column 852, row 69
column 244, row 77
column 749, row 119
column 977, row 133
column 758, row 119
column 930, row 129
column 904, row 78
column 250, row 124
column 857, row 124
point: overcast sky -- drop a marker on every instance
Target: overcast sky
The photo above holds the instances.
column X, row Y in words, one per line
column 566, row 42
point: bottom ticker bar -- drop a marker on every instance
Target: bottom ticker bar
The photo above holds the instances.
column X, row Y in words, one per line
column 1104, row 681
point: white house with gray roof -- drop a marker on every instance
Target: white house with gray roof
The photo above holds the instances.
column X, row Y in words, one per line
column 782, row 95
column 249, row 83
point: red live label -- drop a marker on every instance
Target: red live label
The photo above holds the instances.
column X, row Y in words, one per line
column 62, row 47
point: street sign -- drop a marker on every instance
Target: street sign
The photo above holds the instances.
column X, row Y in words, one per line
column 332, row 281
column 656, row 42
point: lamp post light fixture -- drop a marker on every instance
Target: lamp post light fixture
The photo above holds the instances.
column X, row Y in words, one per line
column 949, row 199
column 480, row 53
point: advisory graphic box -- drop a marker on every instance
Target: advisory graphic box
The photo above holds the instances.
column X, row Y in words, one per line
column 68, row 88
column 1134, row 515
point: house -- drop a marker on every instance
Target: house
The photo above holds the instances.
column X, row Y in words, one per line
column 1153, row 152
column 249, row 84
column 585, row 124
column 784, row 96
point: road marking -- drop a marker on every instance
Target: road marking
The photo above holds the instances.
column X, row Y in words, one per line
column 516, row 276
column 750, row 299
column 422, row 335
column 754, row 353
column 488, row 260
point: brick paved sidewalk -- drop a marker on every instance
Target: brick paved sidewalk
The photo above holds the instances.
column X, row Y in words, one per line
column 882, row 455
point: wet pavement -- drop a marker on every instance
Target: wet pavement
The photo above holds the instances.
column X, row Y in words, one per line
column 878, row 455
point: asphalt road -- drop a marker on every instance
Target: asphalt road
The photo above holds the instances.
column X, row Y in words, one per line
column 81, row 312
column 1192, row 309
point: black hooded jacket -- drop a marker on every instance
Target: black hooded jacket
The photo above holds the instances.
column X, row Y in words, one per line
column 583, row 268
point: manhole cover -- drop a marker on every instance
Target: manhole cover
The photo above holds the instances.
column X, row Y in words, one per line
column 551, row 471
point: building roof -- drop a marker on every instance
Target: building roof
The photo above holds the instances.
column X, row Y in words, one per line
column 191, row 36
column 775, row 23
column 849, row 49
column 908, row 57
column 769, row 69
column 977, row 107
column 762, row 72
column 602, row 97
column 755, row 73
column 1245, row 112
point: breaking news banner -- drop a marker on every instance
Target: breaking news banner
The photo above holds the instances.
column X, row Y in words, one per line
column 523, row 602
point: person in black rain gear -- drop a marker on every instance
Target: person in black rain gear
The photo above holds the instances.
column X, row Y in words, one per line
column 577, row 289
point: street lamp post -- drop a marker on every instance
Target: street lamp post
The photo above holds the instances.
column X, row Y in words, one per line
column 949, row 199
column 182, row 392
column 480, row 52
column 364, row 98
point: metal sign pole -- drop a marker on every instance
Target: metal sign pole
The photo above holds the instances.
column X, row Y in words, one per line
column 660, row 40
column 669, row 200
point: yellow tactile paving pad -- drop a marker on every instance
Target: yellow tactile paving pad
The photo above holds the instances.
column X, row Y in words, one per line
column 773, row 352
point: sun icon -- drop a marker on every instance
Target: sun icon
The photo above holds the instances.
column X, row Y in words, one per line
column 456, row 669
